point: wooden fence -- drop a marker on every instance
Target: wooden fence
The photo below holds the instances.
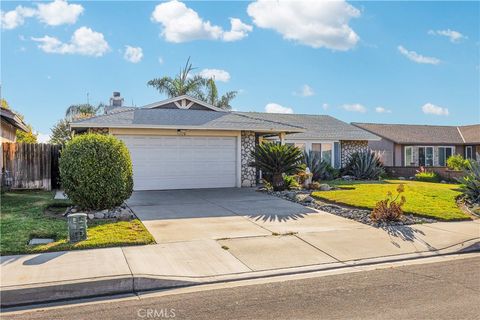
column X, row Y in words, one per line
column 30, row 165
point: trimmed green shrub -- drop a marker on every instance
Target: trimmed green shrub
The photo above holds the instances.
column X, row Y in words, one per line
column 427, row 176
column 471, row 183
column 456, row 162
column 291, row 182
column 275, row 160
column 364, row 165
column 96, row 171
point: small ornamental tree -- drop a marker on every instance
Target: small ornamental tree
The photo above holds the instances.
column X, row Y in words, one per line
column 96, row 171
column 275, row 160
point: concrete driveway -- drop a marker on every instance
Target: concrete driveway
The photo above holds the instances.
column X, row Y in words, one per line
column 235, row 230
column 183, row 215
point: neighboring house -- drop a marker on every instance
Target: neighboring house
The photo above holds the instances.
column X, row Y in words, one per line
column 184, row 143
column 10, row 123
column 423, row 145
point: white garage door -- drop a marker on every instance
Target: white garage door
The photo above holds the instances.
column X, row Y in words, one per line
column 173, row 162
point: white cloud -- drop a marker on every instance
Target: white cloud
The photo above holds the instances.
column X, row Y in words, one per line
column 318, row 24
column 238, row 31
column 182, row 24
column 58, row 12
column 42, row 137
column 217, row 74
column 418, row 58
column 454, row 36
column 305, row 91
column 276, row 108
column 382, row 110
column 133, row 54
column 325, row 106
column 15, row 18
column 160, row 60
column 356, row 107
column 55, row 13
column 430, row 108
column 84, row 41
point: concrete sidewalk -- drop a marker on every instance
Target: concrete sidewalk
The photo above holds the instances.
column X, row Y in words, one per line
column 309, row 246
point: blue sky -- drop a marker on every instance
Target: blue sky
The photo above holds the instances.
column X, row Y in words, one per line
column 393, row 62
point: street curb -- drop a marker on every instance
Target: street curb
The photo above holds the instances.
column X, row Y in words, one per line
column 105, row 286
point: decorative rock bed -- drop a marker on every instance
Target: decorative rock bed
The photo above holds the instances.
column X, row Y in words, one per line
column 122, row 213
column 304, row 197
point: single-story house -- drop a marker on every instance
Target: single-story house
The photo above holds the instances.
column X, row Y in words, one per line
column 184, row 143
column 423, row 145
column 10, row 123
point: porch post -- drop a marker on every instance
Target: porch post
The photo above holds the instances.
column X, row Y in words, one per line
column 281, row 136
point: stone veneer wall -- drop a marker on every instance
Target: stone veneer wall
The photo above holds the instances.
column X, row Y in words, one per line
column 248, row 174
column 98, row 130
column 349, row 147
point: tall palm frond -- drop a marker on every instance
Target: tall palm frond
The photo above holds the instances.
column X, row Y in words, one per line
column 86, row 110
column 184, row 83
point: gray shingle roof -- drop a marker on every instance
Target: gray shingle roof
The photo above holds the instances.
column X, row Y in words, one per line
column 471, row 134
column 300, row 126
column 184, row 119
column 424, row 134
column 317, row 126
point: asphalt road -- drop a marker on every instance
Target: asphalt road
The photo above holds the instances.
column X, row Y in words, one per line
column 445, row 290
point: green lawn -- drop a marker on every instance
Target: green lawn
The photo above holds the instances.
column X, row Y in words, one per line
column 23, row 217
column 433, row 200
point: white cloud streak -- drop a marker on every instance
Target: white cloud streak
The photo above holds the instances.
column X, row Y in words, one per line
column 182, row 24
column 54, row 13
column 355, row 107
column 318, row 24
column 382, row 110
column 276, row 108
column 418, row 58
column 84, row 41
column 216, row 74
column 430, row 108
column 452, row 35
column 133, row 54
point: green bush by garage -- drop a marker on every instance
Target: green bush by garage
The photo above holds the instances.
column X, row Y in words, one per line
column 96, row 171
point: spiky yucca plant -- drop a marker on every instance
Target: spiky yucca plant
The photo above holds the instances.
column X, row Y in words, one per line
column 364, row 165
column 470, row 182
column 275, row 160
column 321, row 169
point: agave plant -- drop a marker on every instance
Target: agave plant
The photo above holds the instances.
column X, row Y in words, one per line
column 320, row 169
column 470, row 182
column 275, row 160
column 364, row 165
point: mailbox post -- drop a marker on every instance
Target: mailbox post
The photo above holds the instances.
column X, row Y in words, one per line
column 77, row 227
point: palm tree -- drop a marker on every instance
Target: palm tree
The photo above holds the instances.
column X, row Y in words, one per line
column 80, row 111
column 182, row 84
column 211, row 95
column 275, row 159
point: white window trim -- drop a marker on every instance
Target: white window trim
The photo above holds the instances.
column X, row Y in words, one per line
column 308, row 145
column 471, row 152
column 433, row 155
column 438, row 148
column 405, row 156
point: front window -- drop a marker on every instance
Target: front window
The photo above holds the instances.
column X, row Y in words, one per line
column 323, row 150
column 425, row 156
column 469, row 152
column 443, row 154
column 408, row 156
